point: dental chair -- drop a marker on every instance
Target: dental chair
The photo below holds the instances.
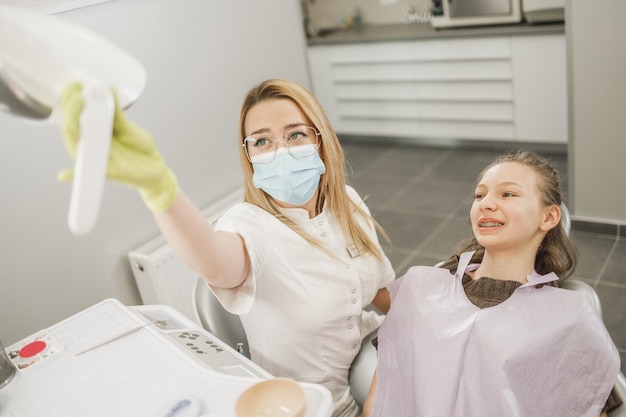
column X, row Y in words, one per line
column 214, row 318
column 620, row 385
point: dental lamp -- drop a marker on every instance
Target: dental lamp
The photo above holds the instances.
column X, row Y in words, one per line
column 39, row 56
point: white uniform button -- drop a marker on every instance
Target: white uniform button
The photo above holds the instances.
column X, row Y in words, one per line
column 354, row 301
column 347, row 266
column 354, row 346
column 353, row 290
column 350, row 326
column 323, row 234
column 321, row 223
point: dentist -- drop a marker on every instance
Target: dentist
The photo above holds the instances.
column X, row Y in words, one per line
column 299, row 259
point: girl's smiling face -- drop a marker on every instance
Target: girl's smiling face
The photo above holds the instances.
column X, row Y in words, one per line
column 508, row 212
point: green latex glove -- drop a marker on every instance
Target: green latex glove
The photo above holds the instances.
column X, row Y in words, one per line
column 134, row 158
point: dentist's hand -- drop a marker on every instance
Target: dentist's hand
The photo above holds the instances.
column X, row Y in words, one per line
column 134, row 158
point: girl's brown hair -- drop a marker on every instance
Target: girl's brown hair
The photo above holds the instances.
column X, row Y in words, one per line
column 557, row 252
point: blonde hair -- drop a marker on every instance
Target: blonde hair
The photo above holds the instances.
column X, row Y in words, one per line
column 332, row 186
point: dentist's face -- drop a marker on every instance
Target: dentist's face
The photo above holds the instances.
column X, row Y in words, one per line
column 284, row 154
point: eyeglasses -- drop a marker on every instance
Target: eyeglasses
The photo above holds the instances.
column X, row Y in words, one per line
column 265, row 144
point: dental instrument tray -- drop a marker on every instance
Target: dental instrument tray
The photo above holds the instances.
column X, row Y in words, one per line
column 110, row 359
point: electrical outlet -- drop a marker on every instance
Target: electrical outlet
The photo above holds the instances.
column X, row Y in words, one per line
column 388, row 2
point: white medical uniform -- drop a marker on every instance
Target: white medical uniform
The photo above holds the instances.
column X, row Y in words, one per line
column 542, row 352
column 302, row 309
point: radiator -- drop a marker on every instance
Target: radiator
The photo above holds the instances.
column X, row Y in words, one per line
column 162, row 278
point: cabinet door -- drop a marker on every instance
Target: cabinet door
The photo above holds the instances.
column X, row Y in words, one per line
column 320, row 71
column 436, row 89
column 540, row 88
column 455, row 89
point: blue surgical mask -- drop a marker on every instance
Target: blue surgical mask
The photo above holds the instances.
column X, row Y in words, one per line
column 288, row 178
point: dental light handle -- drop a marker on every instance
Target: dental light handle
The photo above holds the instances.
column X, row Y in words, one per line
column 92, row 157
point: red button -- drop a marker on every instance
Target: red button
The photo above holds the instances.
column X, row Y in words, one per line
column 32, row 349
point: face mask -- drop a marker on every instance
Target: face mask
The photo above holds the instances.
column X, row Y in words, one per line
column 287, row 178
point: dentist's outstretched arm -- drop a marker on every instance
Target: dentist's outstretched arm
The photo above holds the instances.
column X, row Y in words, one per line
column 219, row 257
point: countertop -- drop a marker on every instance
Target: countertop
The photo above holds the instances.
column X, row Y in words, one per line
column 403, row 32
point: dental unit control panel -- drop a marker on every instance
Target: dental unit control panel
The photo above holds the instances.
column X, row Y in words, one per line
column 110, row 359
column 201, row 344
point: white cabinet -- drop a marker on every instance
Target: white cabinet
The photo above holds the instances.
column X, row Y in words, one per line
column 540, row 88
column 490, row 88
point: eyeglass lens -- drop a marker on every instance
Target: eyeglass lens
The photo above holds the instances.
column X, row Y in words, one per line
column 263, row 143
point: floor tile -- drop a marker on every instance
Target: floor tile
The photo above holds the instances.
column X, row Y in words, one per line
column 405, row 163
column 615, row 271
column 378, row 192
column 614, row 313
column 433, row 196
column 407, row 230
column 360, row 157
column 593, row 251
column 463, row 167
column 445, row 242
